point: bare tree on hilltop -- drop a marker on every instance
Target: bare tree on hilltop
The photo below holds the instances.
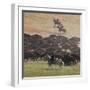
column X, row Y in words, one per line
column 58, row 25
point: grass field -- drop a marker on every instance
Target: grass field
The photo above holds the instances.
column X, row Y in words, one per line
column 36, row 69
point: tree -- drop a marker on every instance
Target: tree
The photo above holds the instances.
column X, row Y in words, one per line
column 58, row 25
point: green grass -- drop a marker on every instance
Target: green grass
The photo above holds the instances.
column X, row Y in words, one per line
column 36, row 69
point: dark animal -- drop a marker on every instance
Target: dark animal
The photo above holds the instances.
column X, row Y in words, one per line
column 54, row 60
column 70, row 59
column 26, row 56
column 29, row 55
column 76, row 58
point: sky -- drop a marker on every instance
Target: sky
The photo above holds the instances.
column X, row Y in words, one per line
column 41, row 23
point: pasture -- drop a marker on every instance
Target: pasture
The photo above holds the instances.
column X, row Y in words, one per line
column 41, row 68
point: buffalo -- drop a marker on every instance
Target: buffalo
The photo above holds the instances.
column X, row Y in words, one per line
column 54, row 60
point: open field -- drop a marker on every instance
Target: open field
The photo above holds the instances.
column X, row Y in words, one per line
column 36, row 69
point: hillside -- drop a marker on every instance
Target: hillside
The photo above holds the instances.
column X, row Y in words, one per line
column 58, row 45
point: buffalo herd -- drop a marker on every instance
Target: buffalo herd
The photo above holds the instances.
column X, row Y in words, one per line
column 53, row 49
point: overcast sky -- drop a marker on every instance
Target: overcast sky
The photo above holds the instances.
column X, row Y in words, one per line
column 42, row 24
